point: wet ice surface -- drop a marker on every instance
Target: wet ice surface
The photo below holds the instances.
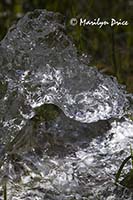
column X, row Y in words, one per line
column 39, row 64
column 70, row 169
column 68, row 151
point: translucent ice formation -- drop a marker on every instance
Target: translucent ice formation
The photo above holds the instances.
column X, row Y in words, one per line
column 39, row 64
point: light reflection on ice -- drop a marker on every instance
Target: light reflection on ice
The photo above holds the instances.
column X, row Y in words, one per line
column 91, row 168
column 43, row 67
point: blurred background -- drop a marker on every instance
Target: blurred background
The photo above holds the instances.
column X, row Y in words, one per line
column 110, row 48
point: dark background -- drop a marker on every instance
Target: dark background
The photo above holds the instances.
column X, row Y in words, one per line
column 110, row 48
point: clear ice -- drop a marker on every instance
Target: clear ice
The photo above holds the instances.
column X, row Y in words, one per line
column 64, row 130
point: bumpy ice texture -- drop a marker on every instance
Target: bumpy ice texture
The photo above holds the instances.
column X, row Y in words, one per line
column 39, row 64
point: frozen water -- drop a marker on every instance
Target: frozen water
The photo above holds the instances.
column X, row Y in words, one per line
column 72, row 147
column 68, row 168
column 39, row 64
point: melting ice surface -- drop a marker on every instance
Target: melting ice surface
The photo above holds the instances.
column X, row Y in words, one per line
column 39, row 64
column 72, row 160
column 72, row 148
